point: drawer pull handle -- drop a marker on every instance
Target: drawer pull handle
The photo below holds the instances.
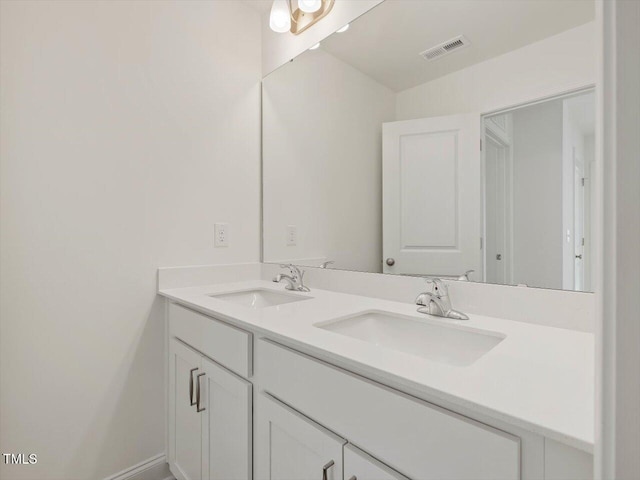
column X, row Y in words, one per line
column 198, row 409
column 191, row 402
column 326, row 468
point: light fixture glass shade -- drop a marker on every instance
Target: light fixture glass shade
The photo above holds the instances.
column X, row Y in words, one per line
column 315, row 47
column 280, row 18
column 343, row 29
column 309, row 6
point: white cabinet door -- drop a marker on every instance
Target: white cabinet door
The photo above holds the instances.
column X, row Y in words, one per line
column 292, row 447
column 359, row 465
column 185, row 423
column 226, row 424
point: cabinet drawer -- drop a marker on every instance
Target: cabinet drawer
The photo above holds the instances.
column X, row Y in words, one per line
column 416, row 438
column 224, row 343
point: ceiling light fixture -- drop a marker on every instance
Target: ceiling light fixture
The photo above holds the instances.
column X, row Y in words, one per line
column 284, row 18
column 280, row 18
column 315, row 47
column 309, row 6
column 343, row 29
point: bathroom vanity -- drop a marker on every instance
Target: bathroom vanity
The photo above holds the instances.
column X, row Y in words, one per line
column 266, row 383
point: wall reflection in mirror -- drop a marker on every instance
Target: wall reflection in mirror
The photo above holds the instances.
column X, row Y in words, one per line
column 422, row 141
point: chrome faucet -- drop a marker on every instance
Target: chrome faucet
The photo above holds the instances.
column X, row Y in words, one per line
column 437, row 301
column 294, row 281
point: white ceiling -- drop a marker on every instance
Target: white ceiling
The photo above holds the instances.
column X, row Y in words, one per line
column 385, row 42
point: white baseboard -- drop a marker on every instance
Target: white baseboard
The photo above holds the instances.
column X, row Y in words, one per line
column 154, row 468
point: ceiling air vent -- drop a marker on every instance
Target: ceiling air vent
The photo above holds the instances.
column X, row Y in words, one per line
column 445, row 48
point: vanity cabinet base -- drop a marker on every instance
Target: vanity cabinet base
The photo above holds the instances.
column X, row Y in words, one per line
column 418, row 439
column 314, row 420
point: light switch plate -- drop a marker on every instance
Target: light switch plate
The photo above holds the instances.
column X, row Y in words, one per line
column 292, row 235
column 221, row 232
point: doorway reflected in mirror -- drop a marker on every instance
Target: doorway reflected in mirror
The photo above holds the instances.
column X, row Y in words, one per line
column 538, row 165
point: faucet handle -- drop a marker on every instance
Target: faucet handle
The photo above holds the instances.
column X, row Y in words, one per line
column 295, row 271
column 292, row 268
column 465, row 276
column 437, row 286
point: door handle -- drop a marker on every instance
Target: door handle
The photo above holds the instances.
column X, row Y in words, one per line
column 198, row 409
column 326, row 468
column 390, row 261
column 191, row 402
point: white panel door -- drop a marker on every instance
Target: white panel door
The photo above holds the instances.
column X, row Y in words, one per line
column 226, row 430
column 431, row 196
column 185, row 423
column 292, row 447
column 359, row 465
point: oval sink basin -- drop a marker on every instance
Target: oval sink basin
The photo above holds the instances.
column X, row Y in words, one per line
column 259, row 298
column 457, row 346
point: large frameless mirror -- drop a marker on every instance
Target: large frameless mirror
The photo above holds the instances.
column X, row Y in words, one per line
column 439, row 138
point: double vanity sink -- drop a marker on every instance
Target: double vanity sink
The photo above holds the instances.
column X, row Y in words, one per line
column 372, row 381
column 429, row 339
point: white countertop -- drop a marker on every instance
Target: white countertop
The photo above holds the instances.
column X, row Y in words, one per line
column 539, row 378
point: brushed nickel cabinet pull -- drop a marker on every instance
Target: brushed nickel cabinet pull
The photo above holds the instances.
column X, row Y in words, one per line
column 326, row 468
column 191, row 402
column 198, row 409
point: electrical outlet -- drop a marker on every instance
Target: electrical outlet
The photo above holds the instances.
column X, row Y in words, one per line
column 221, row 234
column 292, row 235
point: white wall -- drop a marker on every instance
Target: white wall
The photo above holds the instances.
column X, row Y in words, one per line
column 127, row 129
column 279, row 48
column 322, row 161
column 556, row 64
column 537, row 195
